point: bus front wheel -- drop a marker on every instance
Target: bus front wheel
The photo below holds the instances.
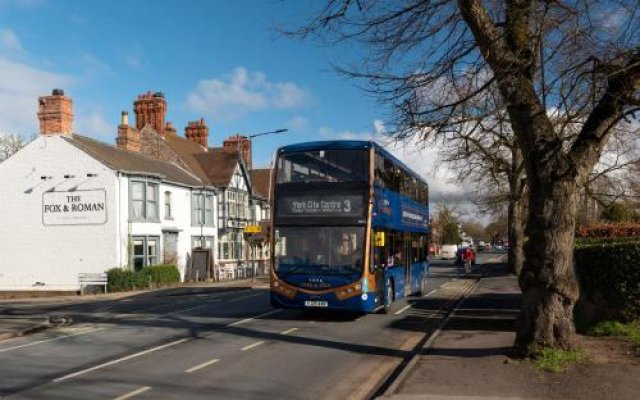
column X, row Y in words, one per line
column 423, row 285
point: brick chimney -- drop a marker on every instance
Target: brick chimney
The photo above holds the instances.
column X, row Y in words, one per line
column 150, row 108
column 169, row 129
column 242, row 142
column 128, row 137
column 198, row 131
column 55, row 114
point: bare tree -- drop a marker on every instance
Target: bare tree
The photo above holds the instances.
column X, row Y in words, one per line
column 433, row 61
column 9, row 144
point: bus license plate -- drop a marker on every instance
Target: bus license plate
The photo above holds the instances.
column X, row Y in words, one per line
column 310, row 303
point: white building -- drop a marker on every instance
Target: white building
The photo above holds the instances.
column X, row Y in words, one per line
column 71, row 205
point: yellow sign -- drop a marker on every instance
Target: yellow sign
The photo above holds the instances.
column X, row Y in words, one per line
column 252, row 229
column 379, row 239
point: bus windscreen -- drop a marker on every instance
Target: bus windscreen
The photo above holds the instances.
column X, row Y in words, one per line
column 323, row 166
column 324, row 250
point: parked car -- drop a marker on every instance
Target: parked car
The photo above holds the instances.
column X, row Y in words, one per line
column 459, row 255
column 448, row 251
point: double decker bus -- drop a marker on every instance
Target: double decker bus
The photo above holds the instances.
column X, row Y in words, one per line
column 350, row 227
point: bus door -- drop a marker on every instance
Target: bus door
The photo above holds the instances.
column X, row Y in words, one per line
column 379, row 256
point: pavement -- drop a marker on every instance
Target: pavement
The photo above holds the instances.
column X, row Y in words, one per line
column 472, row 358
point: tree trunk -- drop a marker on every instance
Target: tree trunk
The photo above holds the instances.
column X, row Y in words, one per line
column 517, row 217
column 516, row 235
column 548, row 282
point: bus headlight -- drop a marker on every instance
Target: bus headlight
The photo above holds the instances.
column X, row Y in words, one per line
column 358, row 287
column 364, row 296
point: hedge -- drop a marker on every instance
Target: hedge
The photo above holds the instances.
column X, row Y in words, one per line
column 609, row 275
column 120, row 279
column 628, row 230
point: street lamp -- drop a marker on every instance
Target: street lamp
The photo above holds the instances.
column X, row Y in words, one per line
column 250, row 137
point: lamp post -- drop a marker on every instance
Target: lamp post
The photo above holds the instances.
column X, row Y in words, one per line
column 250, row 137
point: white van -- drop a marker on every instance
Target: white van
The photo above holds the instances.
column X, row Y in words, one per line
column 448, row 251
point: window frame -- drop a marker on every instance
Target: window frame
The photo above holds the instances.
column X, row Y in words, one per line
column 168, row 209
column 146, row 257
column 145, row 201
column 203, row 208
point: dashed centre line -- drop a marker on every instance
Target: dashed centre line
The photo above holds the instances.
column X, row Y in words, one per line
column 289, row 331
column 203, row 365
column 243, row 321
column 251, row 346
column 133, row 393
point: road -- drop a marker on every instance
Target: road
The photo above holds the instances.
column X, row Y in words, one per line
column 216, row 343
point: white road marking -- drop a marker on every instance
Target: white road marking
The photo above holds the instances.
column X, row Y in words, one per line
column 134, row 393
column 251, row 346
column 289, row 331
column 119, row 360
column 50, row 340
column 403, row 309
column 245, row 297
column 174, row 312
column 243, row 321
column 200, row 366
column 430, row 293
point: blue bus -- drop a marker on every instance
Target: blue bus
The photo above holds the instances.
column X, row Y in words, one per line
column 349, row 229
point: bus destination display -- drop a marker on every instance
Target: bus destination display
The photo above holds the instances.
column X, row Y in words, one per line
column 321, row 206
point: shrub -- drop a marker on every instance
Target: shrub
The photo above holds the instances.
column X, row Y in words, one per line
column 161, row 275
column 617, row 212
column 614, row 328
column 609, row 275
column 120, row 279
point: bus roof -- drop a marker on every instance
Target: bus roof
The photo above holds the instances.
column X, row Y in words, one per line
column 346, row 145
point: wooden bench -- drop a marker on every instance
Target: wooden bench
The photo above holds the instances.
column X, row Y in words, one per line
column 92, row 279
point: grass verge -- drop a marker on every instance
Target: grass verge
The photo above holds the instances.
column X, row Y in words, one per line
column 629, row 330
column 555, row 360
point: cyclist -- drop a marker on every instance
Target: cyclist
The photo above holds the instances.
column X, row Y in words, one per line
column 467, row 257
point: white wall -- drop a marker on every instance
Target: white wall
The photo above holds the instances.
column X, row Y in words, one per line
column 31, row 252
column 180, row 223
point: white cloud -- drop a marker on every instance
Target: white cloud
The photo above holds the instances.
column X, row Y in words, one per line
column 423, row 160
column 241, row 91
column 94, row 67
column 133, row 55
column 94, row 124
column 327, row 133
column 378, row 127
column 9, row 40
column 297, row 124
column 20, row 86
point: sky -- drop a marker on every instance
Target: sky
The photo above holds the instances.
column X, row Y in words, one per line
column 221, row 60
